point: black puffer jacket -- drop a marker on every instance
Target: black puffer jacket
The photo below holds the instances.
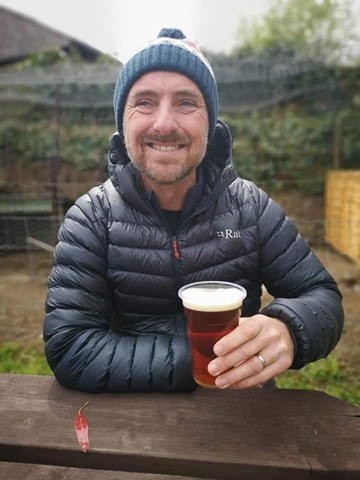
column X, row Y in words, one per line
column 114, row 321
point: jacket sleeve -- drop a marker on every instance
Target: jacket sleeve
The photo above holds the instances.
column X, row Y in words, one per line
column 306, row 296
column 82, row 351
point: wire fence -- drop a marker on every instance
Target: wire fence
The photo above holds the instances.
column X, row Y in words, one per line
column 18, row 233
column 27, row 241
column 68, row 113
column 38, row 216
column 15, row 232
column 28, row 235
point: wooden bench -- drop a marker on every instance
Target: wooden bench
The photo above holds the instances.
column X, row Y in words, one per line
column 243, row 435
column 25, row 471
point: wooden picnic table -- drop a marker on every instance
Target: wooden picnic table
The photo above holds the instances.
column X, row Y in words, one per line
column 270, row 434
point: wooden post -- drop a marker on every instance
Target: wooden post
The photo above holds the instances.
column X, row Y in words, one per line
column 54, row 164
column 337, row 143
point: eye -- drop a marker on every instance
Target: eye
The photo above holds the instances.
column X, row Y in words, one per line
column 144, row 105
column 188, row 103
column 187, row 106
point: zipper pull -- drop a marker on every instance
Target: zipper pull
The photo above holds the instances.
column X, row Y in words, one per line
column 175, row 249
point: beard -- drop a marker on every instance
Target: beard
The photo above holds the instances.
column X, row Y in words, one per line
column 163, row 170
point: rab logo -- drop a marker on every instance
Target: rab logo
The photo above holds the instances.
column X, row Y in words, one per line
column 228, row 233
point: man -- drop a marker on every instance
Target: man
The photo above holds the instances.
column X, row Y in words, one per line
column 174, row 212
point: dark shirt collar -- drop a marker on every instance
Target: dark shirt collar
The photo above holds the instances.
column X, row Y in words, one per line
column 193, row 197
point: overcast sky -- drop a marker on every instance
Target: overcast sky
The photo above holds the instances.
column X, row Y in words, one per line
column 123, row 26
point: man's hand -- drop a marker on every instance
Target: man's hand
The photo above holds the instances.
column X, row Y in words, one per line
column 236, row 364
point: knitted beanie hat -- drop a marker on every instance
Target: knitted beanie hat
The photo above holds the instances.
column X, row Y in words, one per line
column 171, row 51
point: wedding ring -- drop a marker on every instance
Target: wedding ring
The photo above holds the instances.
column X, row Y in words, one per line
column 262, row 359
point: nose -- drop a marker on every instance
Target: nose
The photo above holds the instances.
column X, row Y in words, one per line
column 165, row 119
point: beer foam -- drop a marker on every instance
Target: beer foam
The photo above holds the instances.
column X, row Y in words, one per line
column 212, row 299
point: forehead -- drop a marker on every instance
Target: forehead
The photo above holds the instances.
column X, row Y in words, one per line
column 164, row 82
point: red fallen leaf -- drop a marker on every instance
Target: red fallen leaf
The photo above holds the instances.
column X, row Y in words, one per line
column 82, row 429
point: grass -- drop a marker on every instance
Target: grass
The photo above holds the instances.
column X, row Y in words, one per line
column 27, row 359
column 330, row 375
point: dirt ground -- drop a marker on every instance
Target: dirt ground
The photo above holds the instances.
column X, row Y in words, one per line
column 23, row 286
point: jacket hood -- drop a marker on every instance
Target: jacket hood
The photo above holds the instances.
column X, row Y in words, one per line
column 217, row 169
column 218, row 150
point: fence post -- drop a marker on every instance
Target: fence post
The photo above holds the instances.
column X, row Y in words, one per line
column 337, row 143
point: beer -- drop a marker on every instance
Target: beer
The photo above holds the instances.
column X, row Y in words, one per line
column 212, row 310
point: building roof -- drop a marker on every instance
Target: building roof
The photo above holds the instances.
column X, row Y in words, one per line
column 21, row 36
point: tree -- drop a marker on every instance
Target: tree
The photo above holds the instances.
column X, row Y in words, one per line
column 318, row 29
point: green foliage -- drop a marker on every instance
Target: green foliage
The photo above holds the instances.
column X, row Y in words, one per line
column 286, row 146
column 26, row 359
column 292, row 142
column 42, row 59
column 329, row 375
column 284, row 134
column 51, row 57
column 34, row 141
column 83, row 145
column 316, row 29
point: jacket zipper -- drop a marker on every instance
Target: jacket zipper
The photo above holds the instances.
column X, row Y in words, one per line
column 176, row 262
column 175, row 249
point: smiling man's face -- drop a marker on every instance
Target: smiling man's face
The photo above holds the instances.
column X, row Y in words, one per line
column 165, row 127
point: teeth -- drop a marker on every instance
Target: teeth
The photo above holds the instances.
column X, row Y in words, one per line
column 166, row 148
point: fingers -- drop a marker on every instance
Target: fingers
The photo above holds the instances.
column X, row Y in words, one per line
column 240, row 335
column 252, row 373
column 236, row 356
column 238, row 365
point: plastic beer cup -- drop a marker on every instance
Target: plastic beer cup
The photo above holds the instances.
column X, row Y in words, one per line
column 212, row 310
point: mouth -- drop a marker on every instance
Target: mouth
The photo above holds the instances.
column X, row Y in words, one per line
column 165, row 148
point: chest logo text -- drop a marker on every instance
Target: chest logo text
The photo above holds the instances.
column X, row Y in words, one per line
column 228, row 233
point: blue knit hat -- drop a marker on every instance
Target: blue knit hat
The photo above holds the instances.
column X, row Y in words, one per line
column 171, row 51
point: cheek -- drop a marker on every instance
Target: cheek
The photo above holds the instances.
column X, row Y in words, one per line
column 200, row 136
column 132, row 132
column 136, row 126
column 129, row 139
column 199, row 128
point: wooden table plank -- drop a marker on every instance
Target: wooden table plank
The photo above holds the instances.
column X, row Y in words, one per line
column 280, row 434
column 25, row 471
